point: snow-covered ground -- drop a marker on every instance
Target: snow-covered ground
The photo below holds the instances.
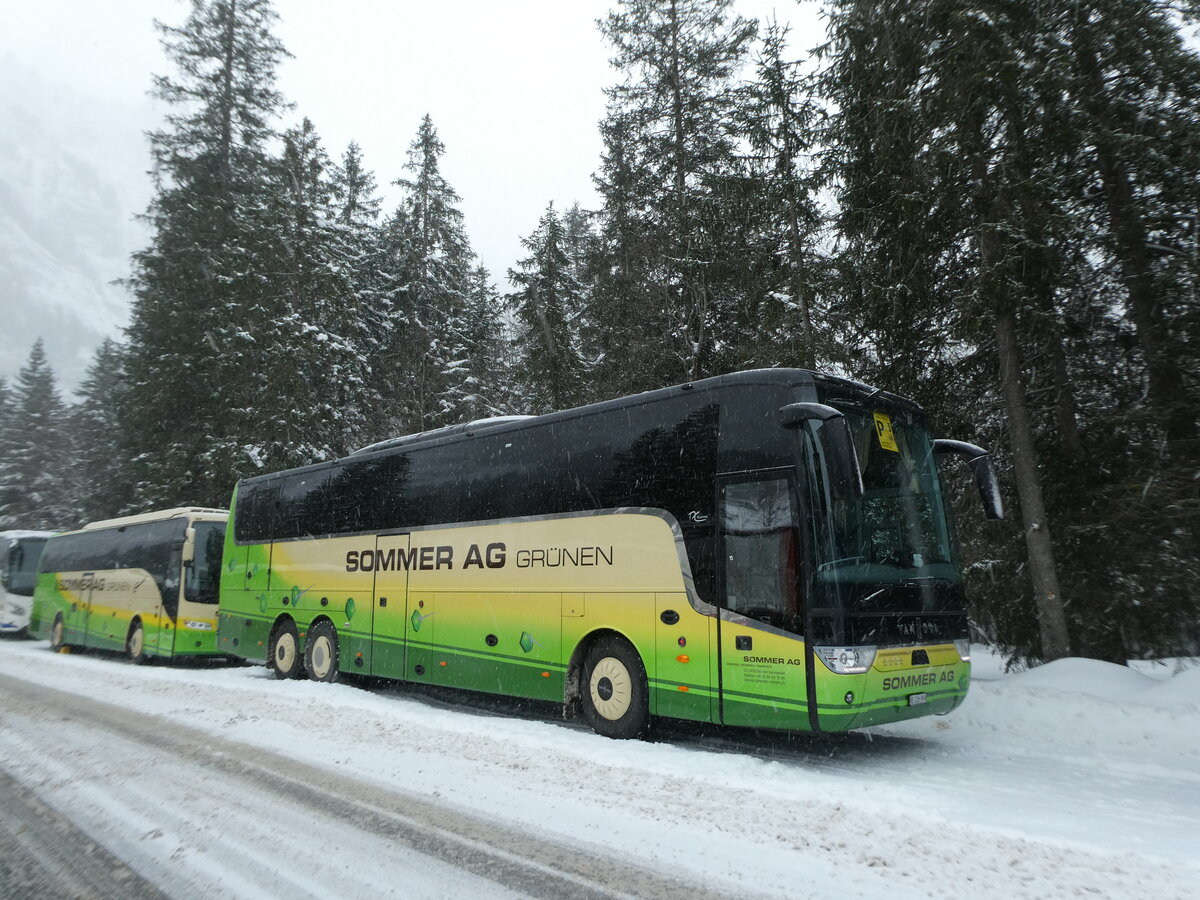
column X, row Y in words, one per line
column 1077, row 778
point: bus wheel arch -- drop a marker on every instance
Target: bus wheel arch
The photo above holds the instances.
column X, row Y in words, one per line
column 321, row 651
column 135, row 642
column 284, row 656
column 607, row 683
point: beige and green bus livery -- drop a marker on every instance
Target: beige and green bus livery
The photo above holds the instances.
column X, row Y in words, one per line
column 147, row 585
column 766, row 549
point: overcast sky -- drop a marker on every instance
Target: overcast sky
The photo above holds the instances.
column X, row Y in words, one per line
column 515, row 88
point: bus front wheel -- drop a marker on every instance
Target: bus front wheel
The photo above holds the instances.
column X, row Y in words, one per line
column 615, row 696
column 321, row 653
column 135, row 644
column 56, row 633
column 285, row 651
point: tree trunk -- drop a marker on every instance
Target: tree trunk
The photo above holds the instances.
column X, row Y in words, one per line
column 1052, row 620
column 1165, row 386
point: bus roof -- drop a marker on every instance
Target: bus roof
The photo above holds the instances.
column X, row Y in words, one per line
column 7, row 537
column 785, row 377
column 853, row 391
column 156, row 516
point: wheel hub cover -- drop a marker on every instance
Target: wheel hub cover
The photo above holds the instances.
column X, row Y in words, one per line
column 285, row 648
column 611, row 688
column 321, row 657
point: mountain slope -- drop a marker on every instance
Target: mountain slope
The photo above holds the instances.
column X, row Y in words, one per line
column 72, row 179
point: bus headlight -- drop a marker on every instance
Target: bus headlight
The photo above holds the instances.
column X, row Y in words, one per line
column 846, row 660
column 963, row 646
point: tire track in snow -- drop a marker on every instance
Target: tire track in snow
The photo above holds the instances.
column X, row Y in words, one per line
column 42, row 854
column 269, row 800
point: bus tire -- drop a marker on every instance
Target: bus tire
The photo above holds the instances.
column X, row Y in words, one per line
column 285, row 656
column 135, row 643
column 614, row 693
column 56, row 633
column 321, row 653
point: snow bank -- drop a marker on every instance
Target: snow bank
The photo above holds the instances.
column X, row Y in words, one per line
column 1073, row 778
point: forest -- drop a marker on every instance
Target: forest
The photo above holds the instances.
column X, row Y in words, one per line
column 990, row 207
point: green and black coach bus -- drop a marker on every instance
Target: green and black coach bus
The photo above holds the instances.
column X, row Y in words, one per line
column 767, row 549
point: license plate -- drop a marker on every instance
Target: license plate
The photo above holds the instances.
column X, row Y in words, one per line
column 917, row 699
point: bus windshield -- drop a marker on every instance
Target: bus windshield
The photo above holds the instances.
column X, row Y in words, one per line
column 885, row 570
column 23, row 564
column 900, row 523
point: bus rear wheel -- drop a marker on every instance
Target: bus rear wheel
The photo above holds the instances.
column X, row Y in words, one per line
column 56, row 633
column 321, row 653
column 615, row 696
column 135, row 644
column 285, row 651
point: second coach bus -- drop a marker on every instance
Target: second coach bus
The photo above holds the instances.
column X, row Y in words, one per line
column 767, row 549
column 145, row 584
column 19, row 555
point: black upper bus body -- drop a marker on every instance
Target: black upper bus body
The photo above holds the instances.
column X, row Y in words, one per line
column 877, row 571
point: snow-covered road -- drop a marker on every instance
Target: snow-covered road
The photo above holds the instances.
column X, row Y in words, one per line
column 1078, row 778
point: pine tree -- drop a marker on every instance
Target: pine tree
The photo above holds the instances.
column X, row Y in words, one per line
column 100, row 467
column 488, row 382
column 929, row 139
column 548, row 292
column 779, row 231
column 358, row 251
column 668, row 146
column 202, row 311
column 35, row 491
column 622, row 310
column 580, row 246
column 317, row 380
column 431, row 261
column 1134, row 87
column 988, row 182
column 6, row 450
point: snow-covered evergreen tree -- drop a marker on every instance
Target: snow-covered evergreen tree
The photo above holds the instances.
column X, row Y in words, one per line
column 1002, row 219
column 774, row 220
column 548, row 294
column 669, row 146
column 357, row 248
column 431, row 261
column 34, row 478
column 487, row 386
column 202, row 319
column 316, row 377
column 6, row 417
column 100, row 471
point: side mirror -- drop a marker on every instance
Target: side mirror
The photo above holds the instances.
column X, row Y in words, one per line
column 837, row 445
column 981, row 466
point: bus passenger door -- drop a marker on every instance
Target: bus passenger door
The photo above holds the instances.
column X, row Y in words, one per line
column 147, row 598
column 390, row 626
column 762, row 669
